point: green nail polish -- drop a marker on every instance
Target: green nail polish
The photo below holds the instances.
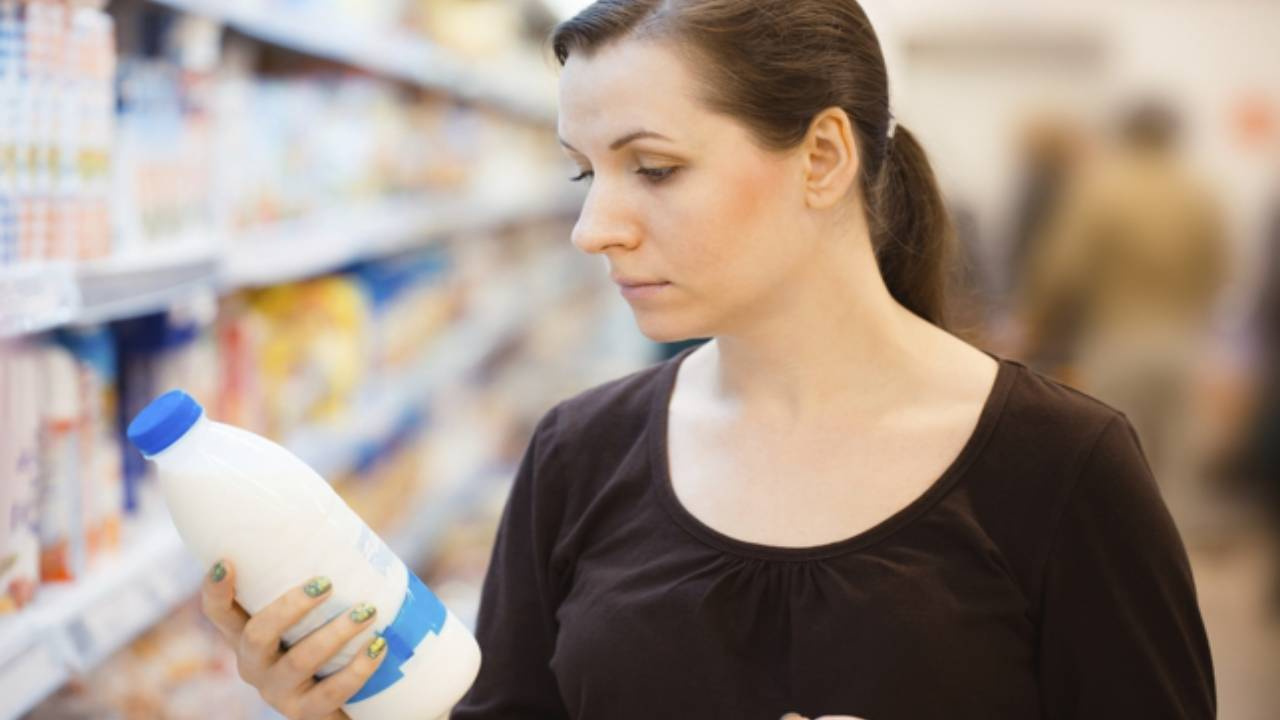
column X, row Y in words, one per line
column 376, row 647
column 218, row 572
column 317, row 586
column 362, row 612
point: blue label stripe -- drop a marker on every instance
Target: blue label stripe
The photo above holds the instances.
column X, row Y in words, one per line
column 420, row 614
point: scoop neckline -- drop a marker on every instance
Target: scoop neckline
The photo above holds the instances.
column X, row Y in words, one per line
column 992, row 409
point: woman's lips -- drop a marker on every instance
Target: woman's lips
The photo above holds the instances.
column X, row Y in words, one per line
column 642, row 291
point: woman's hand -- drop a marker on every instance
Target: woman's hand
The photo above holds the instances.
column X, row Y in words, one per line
column 286, row 680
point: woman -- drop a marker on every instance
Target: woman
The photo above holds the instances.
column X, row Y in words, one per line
column 834, row 506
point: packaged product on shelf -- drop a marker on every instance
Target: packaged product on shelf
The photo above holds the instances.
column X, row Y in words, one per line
column 56, row 73
column 496, row 139
column 102, row 462
column 478, row 29
column 87, row 132
column 163, row 172
column 10, row 90
column 158, row 353
column 32, row 87
column 19, row 479
column 62, row 527
column 204, row 145
column 432, row 148
column 8, row 207
column 387, row 474
column 305, row 353
column 303, row 146
column 237, row 496
column 310, row 360
column 240, row 333
column 412, row 299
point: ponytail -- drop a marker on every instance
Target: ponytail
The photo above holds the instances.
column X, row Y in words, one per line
column 910, row 229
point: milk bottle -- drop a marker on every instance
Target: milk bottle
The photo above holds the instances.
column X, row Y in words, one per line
column 239, row 496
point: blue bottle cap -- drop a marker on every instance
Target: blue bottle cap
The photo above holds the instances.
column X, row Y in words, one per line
column 164, row 421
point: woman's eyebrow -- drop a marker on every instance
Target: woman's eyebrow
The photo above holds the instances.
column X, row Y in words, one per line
column 622, row 141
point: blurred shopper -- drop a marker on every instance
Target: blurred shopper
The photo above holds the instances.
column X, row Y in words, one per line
column 1260, row 456
column 1050, row 153
column 1133, row 259
column 1267, row 438
column 1268, row 445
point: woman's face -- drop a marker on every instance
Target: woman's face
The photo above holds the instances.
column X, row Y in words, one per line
column 680, row 199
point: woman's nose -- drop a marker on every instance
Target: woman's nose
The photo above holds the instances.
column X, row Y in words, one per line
column 605, row 222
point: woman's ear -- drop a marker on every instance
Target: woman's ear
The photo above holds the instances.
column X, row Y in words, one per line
column 830, row 159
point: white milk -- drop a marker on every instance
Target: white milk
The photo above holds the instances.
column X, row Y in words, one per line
column 235, row 495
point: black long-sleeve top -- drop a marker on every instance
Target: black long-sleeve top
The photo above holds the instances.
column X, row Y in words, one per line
column 1041, row 576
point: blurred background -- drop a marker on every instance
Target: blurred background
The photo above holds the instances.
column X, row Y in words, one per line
column 345, row 225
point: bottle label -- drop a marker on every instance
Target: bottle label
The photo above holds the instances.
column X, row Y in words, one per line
column 376, row 552
column 420, row 614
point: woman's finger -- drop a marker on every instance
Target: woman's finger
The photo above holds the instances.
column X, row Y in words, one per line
column 303, row 660
column 260, row 641
column 218, row 601
column 335, row 690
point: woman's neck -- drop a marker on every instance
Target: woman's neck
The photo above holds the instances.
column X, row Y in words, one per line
column 834, row 341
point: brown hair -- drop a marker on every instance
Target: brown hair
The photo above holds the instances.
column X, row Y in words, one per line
column 775, row 65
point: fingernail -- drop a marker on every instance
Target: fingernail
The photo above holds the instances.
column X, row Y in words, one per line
column 376, row 647
column 317, row 586
column 362, row 612
column 218, row 572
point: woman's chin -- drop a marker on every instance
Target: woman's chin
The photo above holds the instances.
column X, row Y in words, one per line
column 665, row 330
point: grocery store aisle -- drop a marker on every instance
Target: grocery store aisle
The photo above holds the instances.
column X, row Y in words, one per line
column 1233, row 573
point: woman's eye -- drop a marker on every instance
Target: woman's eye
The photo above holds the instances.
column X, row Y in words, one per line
column 585, row 175
column 657, row 175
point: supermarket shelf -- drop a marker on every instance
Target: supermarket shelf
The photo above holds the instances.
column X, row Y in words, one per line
column 291, row 250
column 295, row 249
column 74, row 627
column 335, row 448
column 70, row 629
column 417, row 540
column 402, row 57
column 36, row 297
column 41, row 297
column 127, row 287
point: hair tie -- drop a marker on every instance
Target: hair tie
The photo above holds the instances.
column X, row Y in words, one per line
column 893, row 126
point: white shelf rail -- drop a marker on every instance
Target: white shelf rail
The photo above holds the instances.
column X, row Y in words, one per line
column 36, row 297
column 43, row 296
column 392, row 54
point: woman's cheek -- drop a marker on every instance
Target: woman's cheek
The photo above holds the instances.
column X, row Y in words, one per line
column 733, row 214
